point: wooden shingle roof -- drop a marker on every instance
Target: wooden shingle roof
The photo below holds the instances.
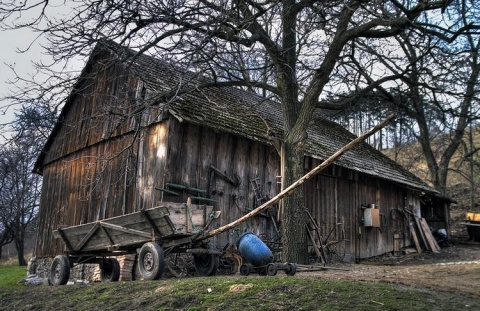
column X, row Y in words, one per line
column 242, row 113
column 245, row 114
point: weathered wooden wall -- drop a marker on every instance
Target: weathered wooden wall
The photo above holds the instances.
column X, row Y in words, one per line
column 103, row 163
column 193, row 149
column 93, row 184
column 103, row 105
column 120, row 175
column 337, row 195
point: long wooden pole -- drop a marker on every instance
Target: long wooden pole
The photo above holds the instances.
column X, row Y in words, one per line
column 296, row 184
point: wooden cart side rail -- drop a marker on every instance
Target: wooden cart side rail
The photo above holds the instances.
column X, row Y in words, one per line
column 151, row 222
column 108, row 227
column 126, row 230
column 107, row 234
column 59, row 234
column 103, row 226
column 87, row 237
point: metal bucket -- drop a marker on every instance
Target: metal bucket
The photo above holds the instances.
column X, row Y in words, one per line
column 254, row 250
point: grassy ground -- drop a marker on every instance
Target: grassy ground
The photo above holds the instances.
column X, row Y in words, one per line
column 10, row 275
column 226, row 293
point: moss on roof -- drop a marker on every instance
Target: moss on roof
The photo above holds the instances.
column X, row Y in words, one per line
column 242, row 113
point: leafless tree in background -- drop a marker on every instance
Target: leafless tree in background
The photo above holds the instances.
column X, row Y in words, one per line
column 19, row 189
column 434, row 83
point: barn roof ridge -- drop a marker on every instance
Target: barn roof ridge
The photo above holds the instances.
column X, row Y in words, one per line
column 242, row 113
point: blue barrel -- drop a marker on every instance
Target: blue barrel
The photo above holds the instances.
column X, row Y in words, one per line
column 254, row 250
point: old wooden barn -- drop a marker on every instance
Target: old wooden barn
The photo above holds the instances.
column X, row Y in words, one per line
column 135, row 130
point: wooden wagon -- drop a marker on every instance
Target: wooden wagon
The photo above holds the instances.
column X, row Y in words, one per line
column 151, row 233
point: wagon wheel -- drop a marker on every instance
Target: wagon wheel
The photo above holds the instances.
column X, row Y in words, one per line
column 272, row 269
column 59, row 270
column 206, row 264
column 177, row 265
column 110, row 270
column 335, row 248
column 291, row 269
column 335, row 251
column 245, row 269
column 232, row 263
column 151, row 261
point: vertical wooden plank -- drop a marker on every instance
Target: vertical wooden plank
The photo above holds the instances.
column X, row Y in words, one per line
column 162, row 153
column 129, row 199
column 428, row 236
column 414, row 237
column 422, row 235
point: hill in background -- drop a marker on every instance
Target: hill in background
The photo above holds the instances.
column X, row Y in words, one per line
column 461, row 171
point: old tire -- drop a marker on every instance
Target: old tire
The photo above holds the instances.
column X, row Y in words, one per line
column 206, row 264
column 110, row 270
column 59, row 270
column 151, row 261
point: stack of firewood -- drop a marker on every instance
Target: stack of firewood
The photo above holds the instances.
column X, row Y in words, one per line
column 97, row 274
column 127, row 263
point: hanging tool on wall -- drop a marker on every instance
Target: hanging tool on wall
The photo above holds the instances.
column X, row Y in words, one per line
column 231, row 181
column 259, row 196
column 200, row 193
column 214, row 171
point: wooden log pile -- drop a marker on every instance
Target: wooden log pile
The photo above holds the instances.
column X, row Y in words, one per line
column 127, row 263
column 97, row 274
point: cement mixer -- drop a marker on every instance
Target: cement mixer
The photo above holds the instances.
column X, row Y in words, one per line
column 259, row 257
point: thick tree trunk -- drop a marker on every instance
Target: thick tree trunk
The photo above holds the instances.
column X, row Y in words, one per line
column 295, row 248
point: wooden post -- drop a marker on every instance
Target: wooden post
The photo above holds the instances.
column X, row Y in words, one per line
column 299, row 182
column 188, row 212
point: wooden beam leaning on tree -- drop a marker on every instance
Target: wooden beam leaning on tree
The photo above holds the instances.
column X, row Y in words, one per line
column 299, row 182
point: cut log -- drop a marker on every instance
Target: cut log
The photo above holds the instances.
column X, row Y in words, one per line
column 299, row 182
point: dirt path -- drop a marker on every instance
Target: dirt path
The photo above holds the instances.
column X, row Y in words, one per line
column 455, row 269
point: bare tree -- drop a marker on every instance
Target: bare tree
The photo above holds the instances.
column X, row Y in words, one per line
column 292, row 50
column 6, row 233
column 439, row 86
column 19, row 186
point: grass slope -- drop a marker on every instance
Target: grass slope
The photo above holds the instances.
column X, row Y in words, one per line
column 233, row 293
column 10, row 275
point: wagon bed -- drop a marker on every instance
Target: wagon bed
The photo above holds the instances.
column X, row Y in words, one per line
column 151, row 233
column 166, row 222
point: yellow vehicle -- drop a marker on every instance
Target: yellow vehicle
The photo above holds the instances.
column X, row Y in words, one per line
column 472, row 221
